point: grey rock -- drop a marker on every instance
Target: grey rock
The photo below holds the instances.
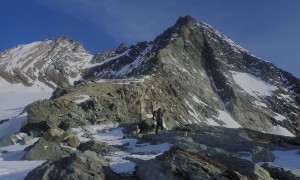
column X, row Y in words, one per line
column 260, row 154
column 26, row 140
column 182, row 164
column 88, row 165
column 7, row 140
column 46, row 114
column 96, row 146
column 73, row 141
column 281, row 173
column 45, row 150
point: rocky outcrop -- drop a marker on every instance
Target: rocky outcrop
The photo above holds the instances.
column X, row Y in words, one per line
column 47, row 114
column 96, row 146
column 48, row 147
column 260, row 154
column 88, row 165
column 183, row 164
column 281, row 173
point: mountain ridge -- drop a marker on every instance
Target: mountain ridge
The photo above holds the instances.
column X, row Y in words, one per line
column 197, row 68
column 226, row 110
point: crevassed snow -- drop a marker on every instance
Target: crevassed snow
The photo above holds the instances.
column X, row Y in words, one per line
column 281, row 131
column 253, row 85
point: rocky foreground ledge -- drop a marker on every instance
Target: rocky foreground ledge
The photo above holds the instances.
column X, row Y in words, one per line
column 192, row 152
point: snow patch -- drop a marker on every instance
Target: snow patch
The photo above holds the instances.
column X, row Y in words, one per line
column 193, row 113
column 253, row 85
column 281, row 131
column 258, row 103
column 279, row 117
column 226, row 118
column 283, row 159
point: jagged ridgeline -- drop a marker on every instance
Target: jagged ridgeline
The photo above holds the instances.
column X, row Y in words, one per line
column 197, row 74
column 98, row 123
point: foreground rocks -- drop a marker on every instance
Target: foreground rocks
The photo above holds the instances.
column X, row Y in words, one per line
column 180, row 163
column 197, row 153
column 88, row 165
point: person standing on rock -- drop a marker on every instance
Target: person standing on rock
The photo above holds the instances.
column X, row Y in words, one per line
column 157, row 115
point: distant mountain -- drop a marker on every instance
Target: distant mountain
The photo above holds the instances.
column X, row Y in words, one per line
column 207, row 78
column 44, row 65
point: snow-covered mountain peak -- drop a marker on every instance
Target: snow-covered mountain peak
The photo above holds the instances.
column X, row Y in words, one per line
column 50, row 62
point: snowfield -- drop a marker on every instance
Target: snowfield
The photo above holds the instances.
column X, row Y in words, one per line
column 253, row 85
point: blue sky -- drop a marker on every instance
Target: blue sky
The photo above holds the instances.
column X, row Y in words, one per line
column 267, row 28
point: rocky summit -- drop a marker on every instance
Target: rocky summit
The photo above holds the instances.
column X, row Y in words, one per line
column 226, row 109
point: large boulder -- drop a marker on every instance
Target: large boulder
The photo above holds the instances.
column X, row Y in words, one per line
column 178, row 163
column 7, row 140
column 46, row 114
column 88, row 165
column 146, row 125
column 45, row 150
column 73, row 141
column 96, row 146
column 260, row 154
